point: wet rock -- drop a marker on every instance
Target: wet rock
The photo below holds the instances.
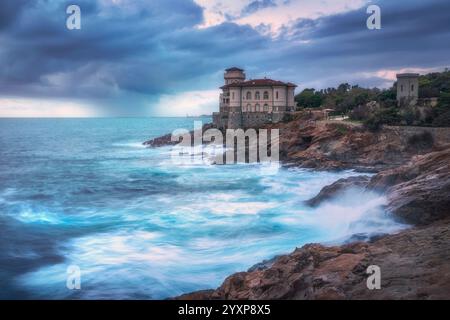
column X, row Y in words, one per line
column 418, row 192
column 415, row 264
column 166, row 140
column 333, row 146
column 263, row 265
column 337, row 188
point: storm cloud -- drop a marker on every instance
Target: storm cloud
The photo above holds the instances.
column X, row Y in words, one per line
column 129, row 53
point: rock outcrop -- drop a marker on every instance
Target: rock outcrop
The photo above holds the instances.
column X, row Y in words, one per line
column 414, row 176
column 337, row 188
column 415, row 263
column 421, row 194
column 417, row 193
column 337, row 145
column 333, row 145
column 166, row 140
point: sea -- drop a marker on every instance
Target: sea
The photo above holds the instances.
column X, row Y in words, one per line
column 88, row 212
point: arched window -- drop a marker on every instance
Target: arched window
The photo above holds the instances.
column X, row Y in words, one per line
column 266, row 107
column 257, row 107
column 248, row 108
column 257, row 96
column 266, row 95
column 276, row 94
column 249, row 95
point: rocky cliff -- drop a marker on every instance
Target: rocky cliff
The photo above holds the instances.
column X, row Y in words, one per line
column 415, row 263
column 413, row 171
column 334, row 145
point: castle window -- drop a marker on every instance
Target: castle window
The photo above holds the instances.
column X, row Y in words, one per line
column 257, row 96
column 276, row 94
column 249, row 95
column 266, row 95
column 266, row 107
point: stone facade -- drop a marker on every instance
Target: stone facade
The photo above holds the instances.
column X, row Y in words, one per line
column 252, row 103
column 407, row 88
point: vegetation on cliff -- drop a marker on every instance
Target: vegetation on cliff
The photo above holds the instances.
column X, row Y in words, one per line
column 376, row 107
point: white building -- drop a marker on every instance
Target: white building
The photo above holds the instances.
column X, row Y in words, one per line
column 252, row 103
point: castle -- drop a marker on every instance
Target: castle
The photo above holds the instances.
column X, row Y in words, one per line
column 407, row 88
column 408, row 92
column 252, row 103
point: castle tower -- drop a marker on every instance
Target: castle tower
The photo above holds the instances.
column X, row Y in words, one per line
column 234, row 75
column 407, row 87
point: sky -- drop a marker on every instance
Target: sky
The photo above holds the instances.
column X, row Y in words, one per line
column 167, row 57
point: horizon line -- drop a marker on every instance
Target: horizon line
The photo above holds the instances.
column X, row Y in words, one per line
column 104, row 117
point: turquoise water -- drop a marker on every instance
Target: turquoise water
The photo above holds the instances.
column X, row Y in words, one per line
column 85, row 192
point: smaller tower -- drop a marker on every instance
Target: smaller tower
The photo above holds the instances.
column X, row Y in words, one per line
column 407, row 87
column 234, row 75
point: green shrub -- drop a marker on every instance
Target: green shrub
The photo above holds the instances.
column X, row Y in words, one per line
column 387, row 116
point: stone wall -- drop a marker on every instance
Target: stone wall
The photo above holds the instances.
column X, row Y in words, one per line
column 220, row 120
column 440, row 135
column 255, row 119
column 234, row 120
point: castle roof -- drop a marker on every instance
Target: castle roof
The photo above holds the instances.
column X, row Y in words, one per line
column 233, row 69
column 259, row 83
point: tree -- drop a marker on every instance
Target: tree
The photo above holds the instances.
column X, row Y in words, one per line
column 388, row 116
column 344, row 87
column 309, row 98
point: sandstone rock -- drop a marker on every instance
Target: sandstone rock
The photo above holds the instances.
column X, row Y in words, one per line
column 324, row 145
column 166, row 140
column 418, row 192
column 415, row 264
column 337, row 188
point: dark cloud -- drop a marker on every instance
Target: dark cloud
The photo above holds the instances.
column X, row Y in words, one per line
column 413, row 34
column 10, row 11
column 129, row 55
column 257, row 5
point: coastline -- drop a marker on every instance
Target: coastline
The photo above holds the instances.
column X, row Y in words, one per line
column 415, row 178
